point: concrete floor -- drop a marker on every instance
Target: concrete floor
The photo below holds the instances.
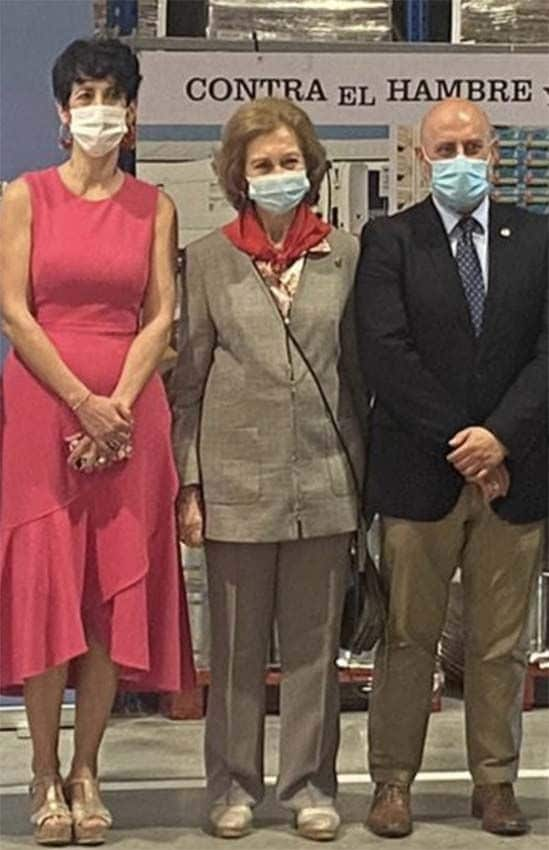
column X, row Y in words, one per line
column 153, row 782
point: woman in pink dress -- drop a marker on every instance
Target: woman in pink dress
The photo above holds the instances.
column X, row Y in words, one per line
column 91, row 587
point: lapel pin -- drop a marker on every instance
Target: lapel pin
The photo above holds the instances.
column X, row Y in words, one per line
column 505, row 231
column 337, row 262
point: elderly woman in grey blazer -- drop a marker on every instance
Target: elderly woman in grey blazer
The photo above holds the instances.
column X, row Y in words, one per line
column 264, row 479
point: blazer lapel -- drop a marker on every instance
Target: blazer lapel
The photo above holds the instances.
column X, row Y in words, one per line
column 247, row 273
column 314, row 269
column 431, row 237
column 501, row 260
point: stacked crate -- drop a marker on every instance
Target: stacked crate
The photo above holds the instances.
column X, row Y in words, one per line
column 301, row 20
column 281, row 20
column 504, row 21
column 522, row 173
column 147, row 18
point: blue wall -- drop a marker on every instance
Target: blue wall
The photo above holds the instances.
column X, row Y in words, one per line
column 32, row 34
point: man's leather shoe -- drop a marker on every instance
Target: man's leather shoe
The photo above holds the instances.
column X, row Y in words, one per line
column 390, row 815
column 499, row 810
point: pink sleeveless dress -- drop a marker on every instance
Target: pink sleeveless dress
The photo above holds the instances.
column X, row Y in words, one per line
column 89, row 555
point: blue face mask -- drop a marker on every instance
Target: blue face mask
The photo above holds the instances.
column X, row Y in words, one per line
column 279, row 193
column 460, row 183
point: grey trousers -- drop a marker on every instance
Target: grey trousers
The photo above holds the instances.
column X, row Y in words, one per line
column 300, row 584
column 499, row 563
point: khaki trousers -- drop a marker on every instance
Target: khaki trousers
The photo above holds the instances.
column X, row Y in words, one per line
column 499, row 563
column 300, row 584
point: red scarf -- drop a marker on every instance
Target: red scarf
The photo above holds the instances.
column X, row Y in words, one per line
column 306, row 231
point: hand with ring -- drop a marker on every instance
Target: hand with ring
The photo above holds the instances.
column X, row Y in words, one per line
column 495, row 484
column 122, row 450
column 86, row 456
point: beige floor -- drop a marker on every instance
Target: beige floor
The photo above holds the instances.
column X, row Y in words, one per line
column 153, row 778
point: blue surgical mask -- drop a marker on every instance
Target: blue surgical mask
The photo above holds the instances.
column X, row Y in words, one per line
column 460, row 183
column 279, row 193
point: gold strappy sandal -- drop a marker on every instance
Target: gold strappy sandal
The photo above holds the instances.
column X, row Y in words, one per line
column 50, row 814
column 88, row 808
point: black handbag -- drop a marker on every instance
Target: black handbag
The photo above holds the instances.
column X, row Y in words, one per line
column 366, row 601
column 367, row 598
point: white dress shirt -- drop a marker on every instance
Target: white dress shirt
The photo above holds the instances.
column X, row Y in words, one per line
column 450, row 218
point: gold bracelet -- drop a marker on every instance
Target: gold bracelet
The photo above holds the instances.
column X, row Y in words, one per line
column 78, row 404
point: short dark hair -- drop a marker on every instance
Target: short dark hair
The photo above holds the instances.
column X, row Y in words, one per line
column 96, row 59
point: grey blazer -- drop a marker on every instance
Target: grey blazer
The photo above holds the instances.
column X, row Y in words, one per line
column 249, row 424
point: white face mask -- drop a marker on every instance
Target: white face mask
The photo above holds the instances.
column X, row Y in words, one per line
column 460, row 183
column 279, row 193
column 98, row 129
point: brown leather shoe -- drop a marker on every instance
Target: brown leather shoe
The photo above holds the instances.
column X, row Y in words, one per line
column 499, row 810
column 390, row 815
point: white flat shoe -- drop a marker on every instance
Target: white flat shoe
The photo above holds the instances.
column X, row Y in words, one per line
column 231, row 821
column 318, row 823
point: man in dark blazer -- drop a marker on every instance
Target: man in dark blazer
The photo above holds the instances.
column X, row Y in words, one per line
column 452, row 327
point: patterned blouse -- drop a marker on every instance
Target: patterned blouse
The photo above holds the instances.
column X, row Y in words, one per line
column 283, row 285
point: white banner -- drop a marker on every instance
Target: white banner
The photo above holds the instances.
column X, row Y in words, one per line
column 202, row 88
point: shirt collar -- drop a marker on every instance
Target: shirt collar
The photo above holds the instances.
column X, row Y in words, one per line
column 450, row 218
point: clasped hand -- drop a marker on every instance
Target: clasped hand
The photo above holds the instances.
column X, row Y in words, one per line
column 479, row 456
column 190, row 516
column 105, row 437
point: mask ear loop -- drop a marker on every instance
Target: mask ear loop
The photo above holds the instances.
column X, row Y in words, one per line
column 450, row 158
column 492, row 156
column 432, row 162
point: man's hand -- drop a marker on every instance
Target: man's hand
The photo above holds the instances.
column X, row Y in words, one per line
column 190, row 516
column 476, row 452
column 493, row 485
